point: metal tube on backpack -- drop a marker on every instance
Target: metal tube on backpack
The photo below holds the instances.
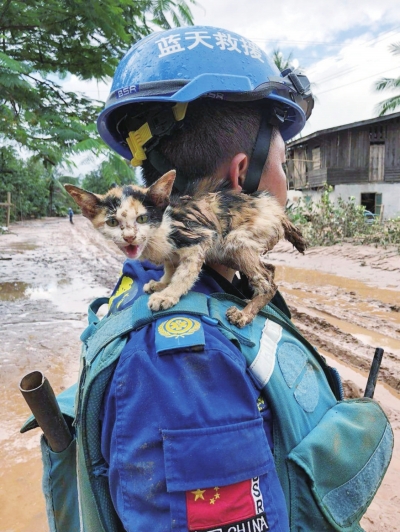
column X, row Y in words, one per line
column 40, row 397
column 373, row 373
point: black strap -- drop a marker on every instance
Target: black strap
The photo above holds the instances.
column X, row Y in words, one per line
column 162, row 165
column 259, row 155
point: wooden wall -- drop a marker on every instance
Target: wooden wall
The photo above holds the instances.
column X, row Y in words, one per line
column 345, row 154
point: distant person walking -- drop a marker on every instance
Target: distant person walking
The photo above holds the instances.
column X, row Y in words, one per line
column 71, row 215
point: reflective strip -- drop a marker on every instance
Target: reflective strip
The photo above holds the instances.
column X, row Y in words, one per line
column 264, row 363
column 79, row 489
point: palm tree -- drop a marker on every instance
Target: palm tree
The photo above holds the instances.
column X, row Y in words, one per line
column 389, row 84
column 281, row 62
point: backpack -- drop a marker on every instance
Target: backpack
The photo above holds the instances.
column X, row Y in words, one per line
column 330, row 454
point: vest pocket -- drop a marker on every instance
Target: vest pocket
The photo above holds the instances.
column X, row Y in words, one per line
column 215, row 477
column 343, row 461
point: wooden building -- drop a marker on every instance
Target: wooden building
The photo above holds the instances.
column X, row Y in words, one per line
column 361, row 159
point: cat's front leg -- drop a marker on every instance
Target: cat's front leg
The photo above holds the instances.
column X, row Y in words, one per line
column 157, row 286
column 190, row 263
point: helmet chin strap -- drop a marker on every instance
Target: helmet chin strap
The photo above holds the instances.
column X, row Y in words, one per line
column 259, row 155
column 162, row 165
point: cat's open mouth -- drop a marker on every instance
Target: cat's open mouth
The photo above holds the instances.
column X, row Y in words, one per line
column 131, row 251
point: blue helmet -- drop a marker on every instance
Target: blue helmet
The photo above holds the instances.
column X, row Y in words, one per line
column 183, row 64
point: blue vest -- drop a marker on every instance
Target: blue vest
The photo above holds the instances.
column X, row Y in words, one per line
column 330, row 454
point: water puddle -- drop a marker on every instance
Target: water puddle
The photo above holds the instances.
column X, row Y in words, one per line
column 68, row 295
column 346, row 303
column 20, row 246
column 366, row 336
column 12, row 291
column 320, row 279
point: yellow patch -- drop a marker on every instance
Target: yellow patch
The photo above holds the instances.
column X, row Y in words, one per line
column 125, row 285
column 177, row 327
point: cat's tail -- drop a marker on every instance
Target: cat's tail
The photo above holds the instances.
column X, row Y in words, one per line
column 294, row 236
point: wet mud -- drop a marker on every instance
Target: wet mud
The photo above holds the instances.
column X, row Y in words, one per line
column 345, row 300
column 50, row 271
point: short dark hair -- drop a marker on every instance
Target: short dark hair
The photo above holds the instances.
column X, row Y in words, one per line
column 214, row 131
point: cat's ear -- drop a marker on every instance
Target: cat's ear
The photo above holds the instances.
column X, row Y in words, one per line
column 87, row 201
column 160, row 191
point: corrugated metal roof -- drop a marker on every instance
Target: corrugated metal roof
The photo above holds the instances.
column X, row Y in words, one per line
column 377, row 120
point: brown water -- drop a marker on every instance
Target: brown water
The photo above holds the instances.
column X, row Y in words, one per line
column 320, row 279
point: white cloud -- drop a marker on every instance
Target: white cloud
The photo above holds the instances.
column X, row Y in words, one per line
column 344, row 45
column 293, row 20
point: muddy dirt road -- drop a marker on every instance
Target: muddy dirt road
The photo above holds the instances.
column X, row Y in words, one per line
column 346, row 300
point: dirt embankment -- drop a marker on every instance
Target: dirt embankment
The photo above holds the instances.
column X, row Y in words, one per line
column 346, row 301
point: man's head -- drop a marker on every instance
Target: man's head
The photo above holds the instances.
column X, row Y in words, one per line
column 217, row 139
column 204, row 101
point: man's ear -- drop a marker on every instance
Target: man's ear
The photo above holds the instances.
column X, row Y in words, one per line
column 160, row 191
column 237, row 170
column 87, row 201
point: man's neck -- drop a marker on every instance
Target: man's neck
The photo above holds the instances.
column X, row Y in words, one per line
column 228, row 273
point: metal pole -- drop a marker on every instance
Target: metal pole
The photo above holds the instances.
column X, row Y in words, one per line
column 41, row 400
column 8, row 209
column 373, row 373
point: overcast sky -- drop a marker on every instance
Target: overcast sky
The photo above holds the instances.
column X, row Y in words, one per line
column 343, row 45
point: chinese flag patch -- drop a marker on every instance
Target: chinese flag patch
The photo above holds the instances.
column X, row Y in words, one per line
column 226, row 506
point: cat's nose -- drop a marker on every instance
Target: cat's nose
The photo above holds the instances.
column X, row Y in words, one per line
column 129, row 238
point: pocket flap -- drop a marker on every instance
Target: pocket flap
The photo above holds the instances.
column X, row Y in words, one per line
column 346, row 457
column 215, row 456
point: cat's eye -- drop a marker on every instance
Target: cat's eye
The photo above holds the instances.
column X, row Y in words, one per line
column 142, row 219
column 112, row 222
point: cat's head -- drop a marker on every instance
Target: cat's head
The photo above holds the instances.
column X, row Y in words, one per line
column 127, row 215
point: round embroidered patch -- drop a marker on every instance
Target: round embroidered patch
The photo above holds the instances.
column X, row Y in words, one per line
column 180, row 326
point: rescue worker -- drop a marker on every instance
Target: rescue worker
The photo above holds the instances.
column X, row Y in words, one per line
column 187, row 441
column 180, row 420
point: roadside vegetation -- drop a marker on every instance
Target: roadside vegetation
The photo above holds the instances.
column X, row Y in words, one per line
column 45, row 128
column 325, row 223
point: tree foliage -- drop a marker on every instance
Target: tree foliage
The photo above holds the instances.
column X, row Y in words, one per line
column 111, row 172
column 28, row 183
column 43, row 41
column 280, row 61
column 387, row 84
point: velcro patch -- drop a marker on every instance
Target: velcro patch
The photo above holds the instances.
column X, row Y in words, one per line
column 179, row 332
column 235, row 508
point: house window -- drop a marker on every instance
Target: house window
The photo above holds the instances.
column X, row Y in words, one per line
column 376, row 161
column 316, row 158
column 372, row 202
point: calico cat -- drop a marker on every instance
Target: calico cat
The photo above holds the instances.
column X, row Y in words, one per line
column 206, row 225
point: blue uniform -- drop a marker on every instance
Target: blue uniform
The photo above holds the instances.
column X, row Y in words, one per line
column 186, row 437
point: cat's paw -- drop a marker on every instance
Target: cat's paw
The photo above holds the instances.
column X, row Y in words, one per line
column 237, row 317
column 159, row 301
column 154, row 286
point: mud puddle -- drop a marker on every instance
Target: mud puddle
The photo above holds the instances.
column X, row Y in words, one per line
column 323, row 280
column 365, row 335
column 65, row 294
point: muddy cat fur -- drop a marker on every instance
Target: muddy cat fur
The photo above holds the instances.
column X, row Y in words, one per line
column 209, row 224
